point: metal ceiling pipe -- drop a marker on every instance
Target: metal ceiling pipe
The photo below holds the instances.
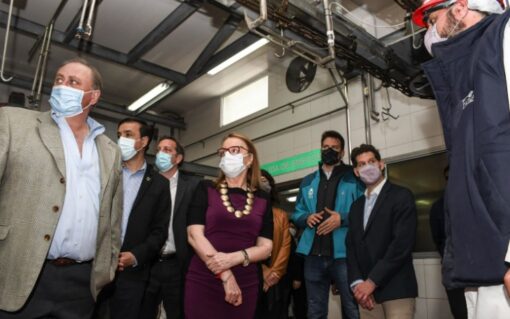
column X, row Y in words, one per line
column 252, row 24
column 344, row 95
column 6, row 40
column 88, row 27
column 40, row 71
column 80, row 29
column 84, row 29
column 296, row 47
column 330, row 33
column 367, row 87
column 33, row 49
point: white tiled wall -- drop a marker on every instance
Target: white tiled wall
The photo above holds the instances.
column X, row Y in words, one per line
column 432, row 302
column 416, row 129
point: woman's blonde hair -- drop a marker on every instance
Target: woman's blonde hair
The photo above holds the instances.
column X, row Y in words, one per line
column 253, row 171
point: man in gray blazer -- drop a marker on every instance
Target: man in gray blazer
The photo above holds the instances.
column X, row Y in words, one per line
column 60, row 202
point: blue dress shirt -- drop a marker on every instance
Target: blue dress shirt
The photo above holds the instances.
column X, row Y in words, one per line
column 367, row 211
column 76, row 232
column 131, row 182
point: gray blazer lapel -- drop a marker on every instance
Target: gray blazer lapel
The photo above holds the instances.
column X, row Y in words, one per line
column 50, row 136
column 106, row 151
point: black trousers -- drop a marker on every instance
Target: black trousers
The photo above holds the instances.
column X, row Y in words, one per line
column 274, row 304
column 61, row 292
column 457, row 302
column 166, row 284
column 121, row 299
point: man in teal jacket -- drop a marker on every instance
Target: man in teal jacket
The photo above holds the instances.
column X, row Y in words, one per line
column 323, row 203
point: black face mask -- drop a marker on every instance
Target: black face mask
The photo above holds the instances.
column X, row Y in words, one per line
column 329, row 156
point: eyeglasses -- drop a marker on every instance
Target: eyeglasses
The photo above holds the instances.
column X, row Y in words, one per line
column 232, row 150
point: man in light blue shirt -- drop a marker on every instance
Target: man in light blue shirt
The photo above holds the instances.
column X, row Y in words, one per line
column 75, row 236
column 60, row 202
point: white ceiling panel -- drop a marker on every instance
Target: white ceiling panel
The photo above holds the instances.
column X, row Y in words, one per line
column 40, row 11
column 236, row 35
column 208, row 87
column 183, row 46
column 16, row 61
column 121, row 24
column 70, row 10
column 123, row 85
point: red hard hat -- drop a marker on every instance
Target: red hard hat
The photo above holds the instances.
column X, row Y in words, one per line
column 421, row 13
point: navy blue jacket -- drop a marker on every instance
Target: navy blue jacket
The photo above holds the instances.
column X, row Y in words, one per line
column 468, row 79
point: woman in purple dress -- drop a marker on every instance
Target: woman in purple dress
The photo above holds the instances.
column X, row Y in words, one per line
column 230, row 227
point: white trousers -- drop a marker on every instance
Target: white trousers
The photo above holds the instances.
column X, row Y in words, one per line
column 491, row 302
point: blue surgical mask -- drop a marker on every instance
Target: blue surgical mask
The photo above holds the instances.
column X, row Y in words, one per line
column 127, row 148
column 66, row 101
column 164, row 161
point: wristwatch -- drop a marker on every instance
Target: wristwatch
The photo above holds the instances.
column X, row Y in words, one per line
column 246, row 260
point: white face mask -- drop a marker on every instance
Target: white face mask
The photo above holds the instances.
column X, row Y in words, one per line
column 431, row 37
column 232, row 165
column 127, row 148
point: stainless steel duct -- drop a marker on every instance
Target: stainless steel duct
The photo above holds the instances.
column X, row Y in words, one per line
column 6, row 40
column 84, row 29
column 300, row 48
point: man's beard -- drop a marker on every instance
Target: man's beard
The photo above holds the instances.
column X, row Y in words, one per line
column 453, row 26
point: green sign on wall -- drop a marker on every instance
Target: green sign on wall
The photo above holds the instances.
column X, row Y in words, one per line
column 293, row 163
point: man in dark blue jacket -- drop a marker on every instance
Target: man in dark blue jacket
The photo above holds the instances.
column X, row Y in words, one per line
column 469, row 76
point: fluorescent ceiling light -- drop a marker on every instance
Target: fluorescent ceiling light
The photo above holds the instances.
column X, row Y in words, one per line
column 154, row 95
column 238, row 56
column 292, row 199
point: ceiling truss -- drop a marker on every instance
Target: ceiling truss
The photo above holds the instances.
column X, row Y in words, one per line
column 355, row 47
